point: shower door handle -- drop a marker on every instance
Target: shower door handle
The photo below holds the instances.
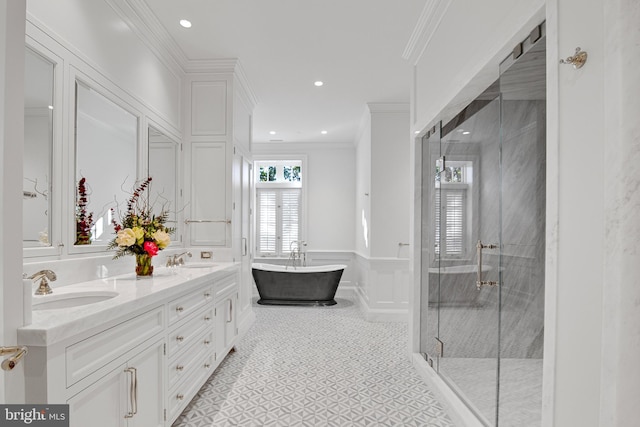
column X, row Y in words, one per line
column 479, row 282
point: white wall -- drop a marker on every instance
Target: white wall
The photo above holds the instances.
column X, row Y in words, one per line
column 382, row 277
column 330, row 191
column 620, row 375
column 97, row 34
column 363, row 187
column 390, row 191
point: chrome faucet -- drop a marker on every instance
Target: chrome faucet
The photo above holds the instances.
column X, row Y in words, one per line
column 297, row 253
column 176, row 260
column 43, row 276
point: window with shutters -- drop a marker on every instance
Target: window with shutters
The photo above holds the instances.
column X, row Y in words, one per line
column 278, row 206
column 451, row 209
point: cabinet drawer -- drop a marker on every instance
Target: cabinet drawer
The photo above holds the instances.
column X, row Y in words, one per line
column 181, row 308
column 184, row 335
column 191, row 359
column 86, row 356
column 182, row 394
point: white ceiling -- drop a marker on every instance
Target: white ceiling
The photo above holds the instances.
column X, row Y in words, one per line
column 354, row 46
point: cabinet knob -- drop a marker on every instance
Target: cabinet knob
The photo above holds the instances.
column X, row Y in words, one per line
column 207, row 342
column 207, row 294
column 207, row 318
column 180, row 396
column 179, row 309
column 180, row 338
column 207, row 366
column 179, row 368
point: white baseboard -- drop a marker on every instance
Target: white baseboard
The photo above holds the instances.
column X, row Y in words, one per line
column 381, row 314
column 459, row 413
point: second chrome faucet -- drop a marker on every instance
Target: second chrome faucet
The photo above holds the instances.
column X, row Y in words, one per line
column 177, row 260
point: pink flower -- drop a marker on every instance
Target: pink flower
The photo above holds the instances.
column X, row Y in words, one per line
column 151, row 248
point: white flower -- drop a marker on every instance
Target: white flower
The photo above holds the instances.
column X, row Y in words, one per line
column 126, row 237
column 162, row 239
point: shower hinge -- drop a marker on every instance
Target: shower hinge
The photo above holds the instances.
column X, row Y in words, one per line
column 439, row 348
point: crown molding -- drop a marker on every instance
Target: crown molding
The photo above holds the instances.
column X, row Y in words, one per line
column 428, row 22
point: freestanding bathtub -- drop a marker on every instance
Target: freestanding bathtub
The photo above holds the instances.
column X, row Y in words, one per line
column 280, row 285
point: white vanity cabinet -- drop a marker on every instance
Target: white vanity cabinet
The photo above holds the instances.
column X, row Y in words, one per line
column 138, row 370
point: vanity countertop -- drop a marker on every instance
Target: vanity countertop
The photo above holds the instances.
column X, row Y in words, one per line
column 135, row 296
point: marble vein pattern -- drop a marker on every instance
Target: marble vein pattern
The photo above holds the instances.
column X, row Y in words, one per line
column 316, row 366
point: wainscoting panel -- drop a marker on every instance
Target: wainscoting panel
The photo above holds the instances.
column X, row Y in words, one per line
column 383, row 286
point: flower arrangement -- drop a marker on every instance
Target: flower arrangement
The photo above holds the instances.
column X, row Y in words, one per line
column 84, row 220
column 141, row 233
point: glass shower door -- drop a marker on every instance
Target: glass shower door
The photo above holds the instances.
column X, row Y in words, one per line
column 467, row 206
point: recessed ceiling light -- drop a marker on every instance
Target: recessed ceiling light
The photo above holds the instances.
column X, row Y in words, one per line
column 417, row 132
column 318, row 83
column 466, row 132
column 273, row 132
column 324, row 132
column 185, row 23
column 50, row 107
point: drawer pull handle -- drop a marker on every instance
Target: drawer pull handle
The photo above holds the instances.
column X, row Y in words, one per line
column 207, row 366
column 133, row 392
column 207, row 318
column 180, row 338
column 207, row 342
column 179, row 309
column 179, row 368
column 180, row 396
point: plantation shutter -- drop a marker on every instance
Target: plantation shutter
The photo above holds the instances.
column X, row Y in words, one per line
column 278, row 220
column 267, row 222
column 290, row 218
column 452, row 227
column 454, row 206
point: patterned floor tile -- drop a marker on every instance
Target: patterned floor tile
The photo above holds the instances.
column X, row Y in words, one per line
column 314, row 367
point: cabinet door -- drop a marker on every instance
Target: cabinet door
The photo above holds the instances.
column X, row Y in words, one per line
column 137, row 386
column 149, row 393
column 103, row 404
column 208, row 210
column 225, row 324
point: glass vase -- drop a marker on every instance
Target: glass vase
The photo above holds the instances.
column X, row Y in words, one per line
column 143, row 266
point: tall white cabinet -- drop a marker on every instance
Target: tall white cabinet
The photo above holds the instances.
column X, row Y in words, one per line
column 218, row 106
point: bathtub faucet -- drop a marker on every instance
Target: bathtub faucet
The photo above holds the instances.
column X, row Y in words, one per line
column 297, row 253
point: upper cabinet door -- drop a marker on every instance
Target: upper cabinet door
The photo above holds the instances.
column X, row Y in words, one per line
column 208, row 224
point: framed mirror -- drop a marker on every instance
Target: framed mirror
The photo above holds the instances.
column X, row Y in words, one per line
column 106, row 163
column 164, row 167
column 38, row 148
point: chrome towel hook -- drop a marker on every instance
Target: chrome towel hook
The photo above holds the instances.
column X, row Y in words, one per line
column 577, row 60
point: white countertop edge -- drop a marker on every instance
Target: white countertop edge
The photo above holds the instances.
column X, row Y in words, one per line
column 135, row 297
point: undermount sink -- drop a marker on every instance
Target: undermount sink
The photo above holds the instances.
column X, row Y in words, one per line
column 70, row 299
column 198, row 265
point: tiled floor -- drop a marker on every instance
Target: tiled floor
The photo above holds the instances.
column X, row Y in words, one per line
column 316, row 366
